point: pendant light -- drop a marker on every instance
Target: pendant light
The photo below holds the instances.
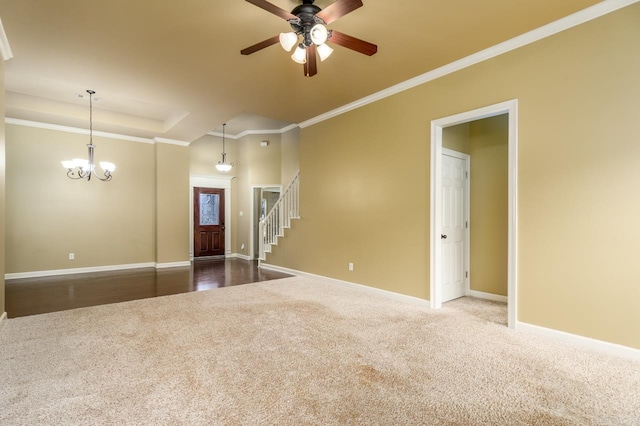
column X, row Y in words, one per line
column 223, row 166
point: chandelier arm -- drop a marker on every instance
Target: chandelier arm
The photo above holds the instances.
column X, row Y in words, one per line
column 73, row 176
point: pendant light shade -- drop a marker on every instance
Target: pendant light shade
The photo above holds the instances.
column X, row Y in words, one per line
column 319, row 34
column 288, row 40
column 300, row 54
column 324, row 51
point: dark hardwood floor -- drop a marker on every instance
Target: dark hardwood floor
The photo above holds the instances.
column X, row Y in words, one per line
column 29, row 296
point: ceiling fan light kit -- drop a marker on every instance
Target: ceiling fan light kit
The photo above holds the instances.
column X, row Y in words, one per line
column 310, row 22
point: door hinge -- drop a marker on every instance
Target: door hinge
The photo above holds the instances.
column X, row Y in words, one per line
column 466, row 224
column 466, row 174
column 466, row 274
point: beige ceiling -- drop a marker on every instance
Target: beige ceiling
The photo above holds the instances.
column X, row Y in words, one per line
column 173, row 69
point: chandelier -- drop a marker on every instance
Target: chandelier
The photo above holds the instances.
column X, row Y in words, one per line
column 79, row 168
column 223, row 166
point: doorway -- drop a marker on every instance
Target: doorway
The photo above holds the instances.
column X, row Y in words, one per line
column 264, row 198
column 510, row 109
column 209, row 222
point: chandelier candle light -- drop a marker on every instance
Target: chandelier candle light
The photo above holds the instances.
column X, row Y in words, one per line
column 223, row 166
column 83, row 169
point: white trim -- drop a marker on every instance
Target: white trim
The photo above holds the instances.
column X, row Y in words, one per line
column 5, row 48
column 170, row 141
column 68, row 129
column 385, row 293
column 3, row 318
column 238, row 256
column 578, row 18
column 173, row 264
column 587, row 342
column 54, row 272
column 256, row 132
column 510, row 108
column 487, row 296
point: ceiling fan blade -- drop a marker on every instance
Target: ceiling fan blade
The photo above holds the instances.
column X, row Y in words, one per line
column 338, row 9
column 259, row 46
column 263, row 4
column 311, row 66
column 353, row 43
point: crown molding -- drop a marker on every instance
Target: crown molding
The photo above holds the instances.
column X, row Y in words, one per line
column 48, row 126
column 5, row 49
column 257, row 132
column 170, row 141
column 578, row 18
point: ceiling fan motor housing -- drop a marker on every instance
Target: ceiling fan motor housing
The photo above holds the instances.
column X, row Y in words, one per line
column 307, row 18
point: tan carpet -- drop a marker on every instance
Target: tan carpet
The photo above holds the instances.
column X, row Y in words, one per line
column 300, row 351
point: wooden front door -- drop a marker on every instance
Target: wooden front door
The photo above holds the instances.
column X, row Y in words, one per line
column 208, row 210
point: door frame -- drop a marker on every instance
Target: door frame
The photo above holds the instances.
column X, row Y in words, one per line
column 508, row 107
column 467, row 212
column 253, row 218
column 216, row 182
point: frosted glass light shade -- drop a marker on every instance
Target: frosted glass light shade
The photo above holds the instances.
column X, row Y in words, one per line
column 288, row 40
column 324, row 51
column 81, row 164
column 107, row 167
column 223, row 167
column 300, row 55
column 319, row 34
column 68, row 164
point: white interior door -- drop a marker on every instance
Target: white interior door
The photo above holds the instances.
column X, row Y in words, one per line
column 453, row 235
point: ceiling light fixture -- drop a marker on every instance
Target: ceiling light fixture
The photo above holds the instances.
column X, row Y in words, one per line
column 83, row 169
column 223, row 166
column 310, row 33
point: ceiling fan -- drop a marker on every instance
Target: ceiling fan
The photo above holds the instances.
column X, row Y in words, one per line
column 309, row 21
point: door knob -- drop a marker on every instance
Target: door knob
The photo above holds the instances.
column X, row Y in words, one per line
column 443, row 237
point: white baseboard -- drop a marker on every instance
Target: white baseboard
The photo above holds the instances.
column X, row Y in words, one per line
column 54, row 272
column 385, row 293
column 238, row 256
column 172, row 264
column 3, row 318
column 586, row 342
column 487, row 296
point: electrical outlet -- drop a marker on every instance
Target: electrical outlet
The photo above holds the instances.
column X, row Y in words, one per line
column 350, row 266
column 72, row 256
column 242, row 246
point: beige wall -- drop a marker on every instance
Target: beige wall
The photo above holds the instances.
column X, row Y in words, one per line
column 50, row 216
column 489, row 220
column 172, row 203
column 290, row 155
column 457, row 138
column 365, row 180
column 103, row 223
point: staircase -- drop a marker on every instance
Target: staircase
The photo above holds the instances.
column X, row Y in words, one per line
column 279, row 218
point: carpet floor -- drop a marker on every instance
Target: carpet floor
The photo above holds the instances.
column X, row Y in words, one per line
column 302, row 351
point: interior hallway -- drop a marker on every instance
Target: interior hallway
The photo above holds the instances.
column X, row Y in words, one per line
column 30, row 296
